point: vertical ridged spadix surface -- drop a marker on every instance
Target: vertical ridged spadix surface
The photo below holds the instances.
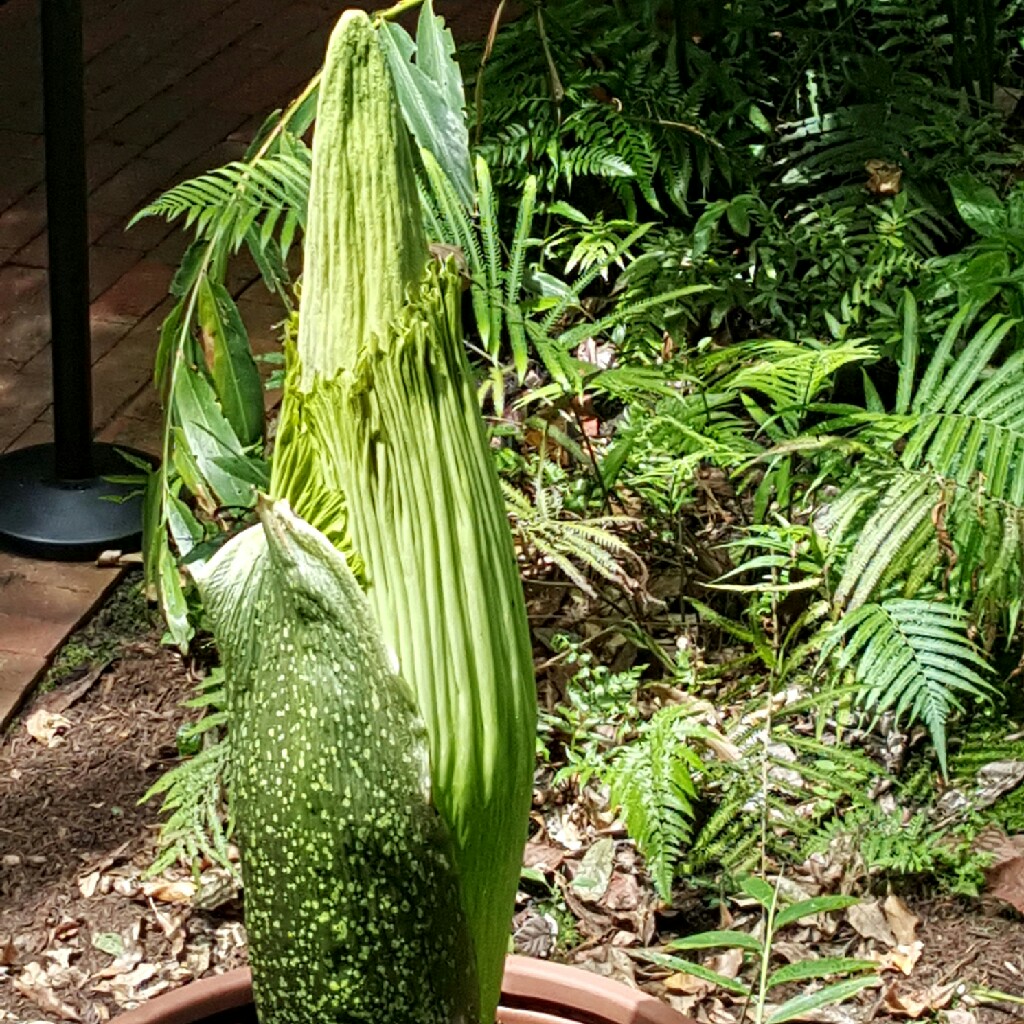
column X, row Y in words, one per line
column 383, row 414
column 364, row 243
column 428, row 521
column 351, row 892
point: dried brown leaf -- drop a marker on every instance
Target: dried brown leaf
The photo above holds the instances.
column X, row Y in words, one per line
column 46, row 727
column 901, row 920
column 869, row 921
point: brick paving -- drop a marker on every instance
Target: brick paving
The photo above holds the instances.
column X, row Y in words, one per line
column 172, row 89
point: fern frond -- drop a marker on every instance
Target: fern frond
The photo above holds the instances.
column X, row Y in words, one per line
column 232, row 197
column 912, row 657
column 651, row 780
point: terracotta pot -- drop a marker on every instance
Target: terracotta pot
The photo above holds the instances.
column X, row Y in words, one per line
column 534, row 992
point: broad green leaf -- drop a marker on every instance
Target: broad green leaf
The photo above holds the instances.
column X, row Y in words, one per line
column 808, row 908
column 436, row 126
column 167, row 348
column 757, row 888
column 711, row 940
column 209, row 437
column 185, row 528
column 979, row 205
column 798, row 1006
column 172, row 596
column 675, row 963
column 829, row 967
column 235, row 376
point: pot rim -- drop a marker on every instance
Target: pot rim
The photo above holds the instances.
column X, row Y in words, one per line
column 536, row 984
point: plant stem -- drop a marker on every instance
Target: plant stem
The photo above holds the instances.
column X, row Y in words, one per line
column 478, row 91
column 396, row 11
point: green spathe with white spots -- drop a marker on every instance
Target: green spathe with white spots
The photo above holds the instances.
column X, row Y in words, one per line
column 352, row 901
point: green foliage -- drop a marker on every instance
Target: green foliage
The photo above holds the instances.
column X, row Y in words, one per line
column 197, row 819
column 652, row 780
column 759, row 953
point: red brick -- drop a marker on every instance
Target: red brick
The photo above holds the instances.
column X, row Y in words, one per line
column 144, row 435
column 36, row 615
column 36, row 253
column 265, row 87
column 126, row 191
column 20, row 175
column 107, row 265
column 262, row 322
column 105, row 334
column 23, row 397
column 124, row 371
column 137, row 293
column 106, row 158
column 20, row 223
column 22, row 289
column 24, row 336
column 38, row 432
column 150, row 121
column 194, row 137
column 144, row 236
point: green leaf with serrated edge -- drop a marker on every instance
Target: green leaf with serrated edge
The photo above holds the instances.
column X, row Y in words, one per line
column 172, row 596
column 436, row 127
column 829, row 967
column 710, row 940
column 807, row 908
column 235, row 376
column 758, row 889
column 674, row 963
column 798, row 1006
column 435, row 56
column 209, row 436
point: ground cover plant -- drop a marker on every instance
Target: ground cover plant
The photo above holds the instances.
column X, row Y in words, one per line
column 742, row 298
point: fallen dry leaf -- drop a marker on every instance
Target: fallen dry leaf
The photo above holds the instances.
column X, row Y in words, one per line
column 1006, row 873
column 915, row 1004
column 88, row 884
column 167, row 891
column 35, row 985
column 869, row 921
column 903, row 958
column 901, row 920
column 46, row 727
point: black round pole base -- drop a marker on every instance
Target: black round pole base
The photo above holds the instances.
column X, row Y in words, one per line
column 68, row 520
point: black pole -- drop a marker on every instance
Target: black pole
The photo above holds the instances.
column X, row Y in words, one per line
column 68, row 226
column 58, row 500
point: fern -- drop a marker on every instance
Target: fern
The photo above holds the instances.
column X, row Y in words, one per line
column 197, row 820
column 652, row 780
column 956, row 494
column 577, row 546
column 913, row 658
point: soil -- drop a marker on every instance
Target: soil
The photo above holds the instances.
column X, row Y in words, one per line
column 75, row 842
